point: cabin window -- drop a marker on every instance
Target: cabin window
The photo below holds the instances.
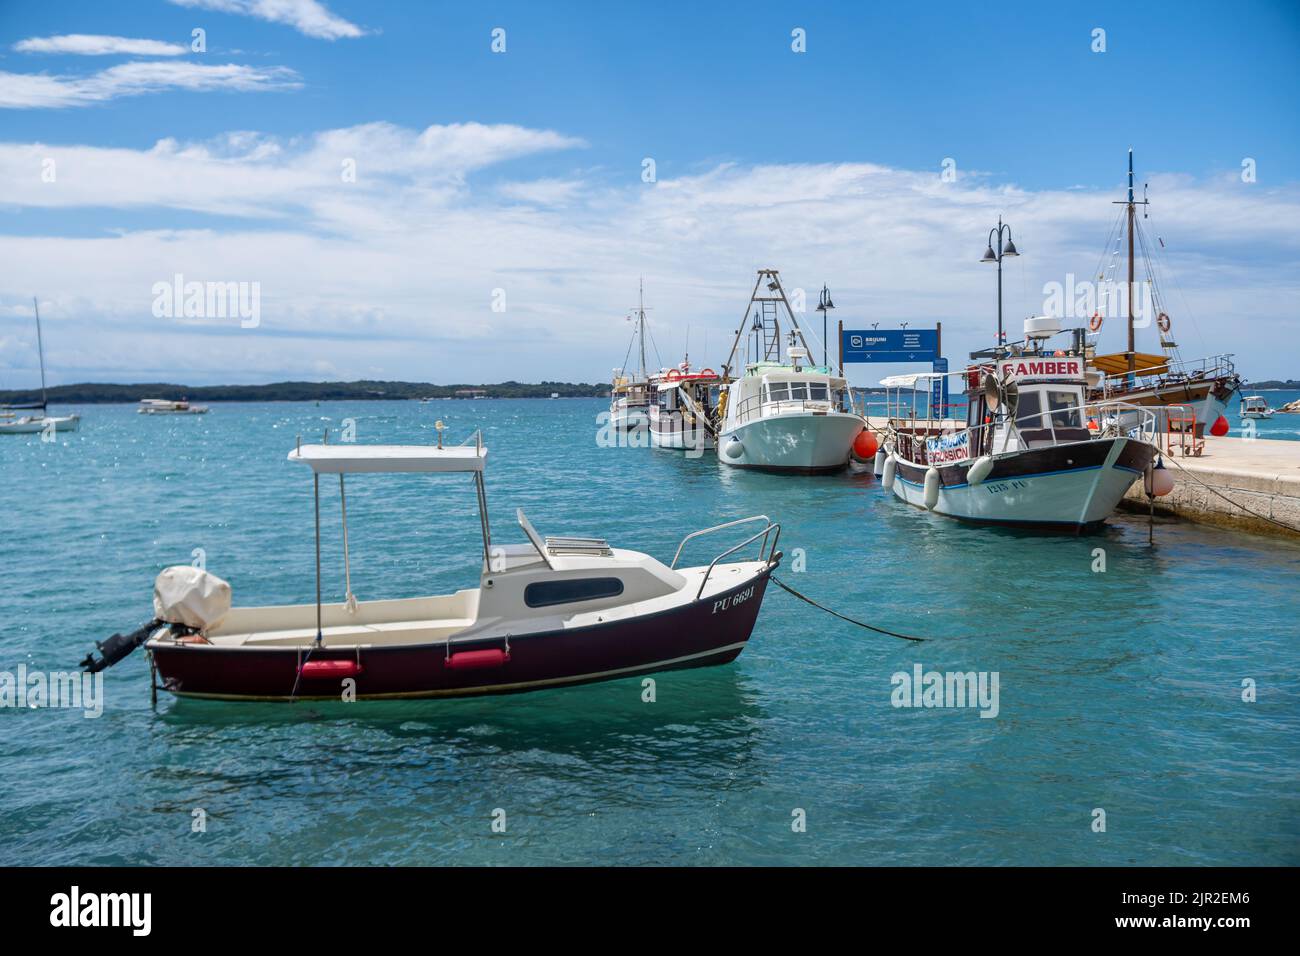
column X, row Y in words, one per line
column 550, row 593
column 778, row 392
column 1029, row 411
column 798, row 391
column 1064, row 410
column 819, row 391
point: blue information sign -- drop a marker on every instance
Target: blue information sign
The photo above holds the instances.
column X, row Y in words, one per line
column 939, row 389
column 890, row 345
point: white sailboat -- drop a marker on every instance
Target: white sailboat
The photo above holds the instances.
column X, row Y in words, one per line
column 783, row 414
column 13, row 424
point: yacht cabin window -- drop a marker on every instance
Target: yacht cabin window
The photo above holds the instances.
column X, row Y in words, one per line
column 818, row 391
column 778, row 391
column 571, row 591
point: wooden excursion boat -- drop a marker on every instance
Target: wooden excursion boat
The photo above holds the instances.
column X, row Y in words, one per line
column 551, row 612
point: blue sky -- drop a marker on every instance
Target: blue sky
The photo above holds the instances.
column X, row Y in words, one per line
column 522, row 172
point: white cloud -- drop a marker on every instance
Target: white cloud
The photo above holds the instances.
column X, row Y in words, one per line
column 84, row 44
column 250, row 175
column 396, row 271
column 43, row 91
column 543, row 192
column 309, row 17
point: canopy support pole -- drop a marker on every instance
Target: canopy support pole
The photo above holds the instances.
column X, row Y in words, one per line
column 320, row 639
column 483, row 518
column 350, row 598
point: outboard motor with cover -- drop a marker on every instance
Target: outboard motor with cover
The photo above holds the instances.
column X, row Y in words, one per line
column 191, row 597
column 187, row 598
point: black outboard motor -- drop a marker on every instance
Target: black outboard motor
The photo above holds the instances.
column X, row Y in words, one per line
column 117, row 647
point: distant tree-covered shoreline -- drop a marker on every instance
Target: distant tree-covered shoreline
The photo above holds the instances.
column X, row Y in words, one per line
column 1289, row 385
column 95, row 393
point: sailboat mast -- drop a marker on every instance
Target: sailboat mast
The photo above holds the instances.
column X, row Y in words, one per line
column 40, row 349
column 641, row 323
column 1132, row 208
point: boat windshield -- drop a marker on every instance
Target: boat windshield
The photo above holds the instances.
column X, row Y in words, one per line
column 1029, row 410
column 1064, row 409
column 798, row 392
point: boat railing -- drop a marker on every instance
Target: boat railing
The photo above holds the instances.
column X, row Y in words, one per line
column 766, row 550
column 693, row 535
column 1172, row 372
column 756, row 406
column 1112, row 419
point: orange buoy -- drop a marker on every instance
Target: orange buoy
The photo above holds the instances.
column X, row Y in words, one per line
column 1220, row 427
column 1092, row 425
column 865, row 445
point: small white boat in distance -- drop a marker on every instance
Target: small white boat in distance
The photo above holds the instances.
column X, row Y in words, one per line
column 165, row 406
column 1255, row 406
column 11, row 424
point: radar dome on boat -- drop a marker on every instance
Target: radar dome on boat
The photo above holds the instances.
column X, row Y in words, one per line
column 1042, row 326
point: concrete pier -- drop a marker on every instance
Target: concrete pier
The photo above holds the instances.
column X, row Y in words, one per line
column 1260, row 474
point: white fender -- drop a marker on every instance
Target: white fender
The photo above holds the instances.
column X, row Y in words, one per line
column 878, row 468
column 733, row 449
column 887, row 481
column 931, row 488
column 979, row 470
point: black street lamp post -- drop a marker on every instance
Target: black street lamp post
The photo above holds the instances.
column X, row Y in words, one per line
column 824, row 307
column 1009, row 250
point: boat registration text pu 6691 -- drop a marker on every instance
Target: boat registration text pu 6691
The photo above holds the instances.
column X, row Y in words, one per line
column 731, row 600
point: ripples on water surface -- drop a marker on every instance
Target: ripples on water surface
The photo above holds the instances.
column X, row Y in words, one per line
column 1118, row 690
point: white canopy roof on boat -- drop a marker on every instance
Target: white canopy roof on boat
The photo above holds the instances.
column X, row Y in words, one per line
column 910, row 380
column 352, row 459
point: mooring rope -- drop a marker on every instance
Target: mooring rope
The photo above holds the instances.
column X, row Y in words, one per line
column 821, row 607
column 1272, row 520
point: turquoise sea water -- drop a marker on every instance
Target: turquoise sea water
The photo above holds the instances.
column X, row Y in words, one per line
column 1119, row 690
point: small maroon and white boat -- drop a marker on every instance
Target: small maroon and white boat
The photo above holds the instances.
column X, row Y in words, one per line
column 548, row 613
